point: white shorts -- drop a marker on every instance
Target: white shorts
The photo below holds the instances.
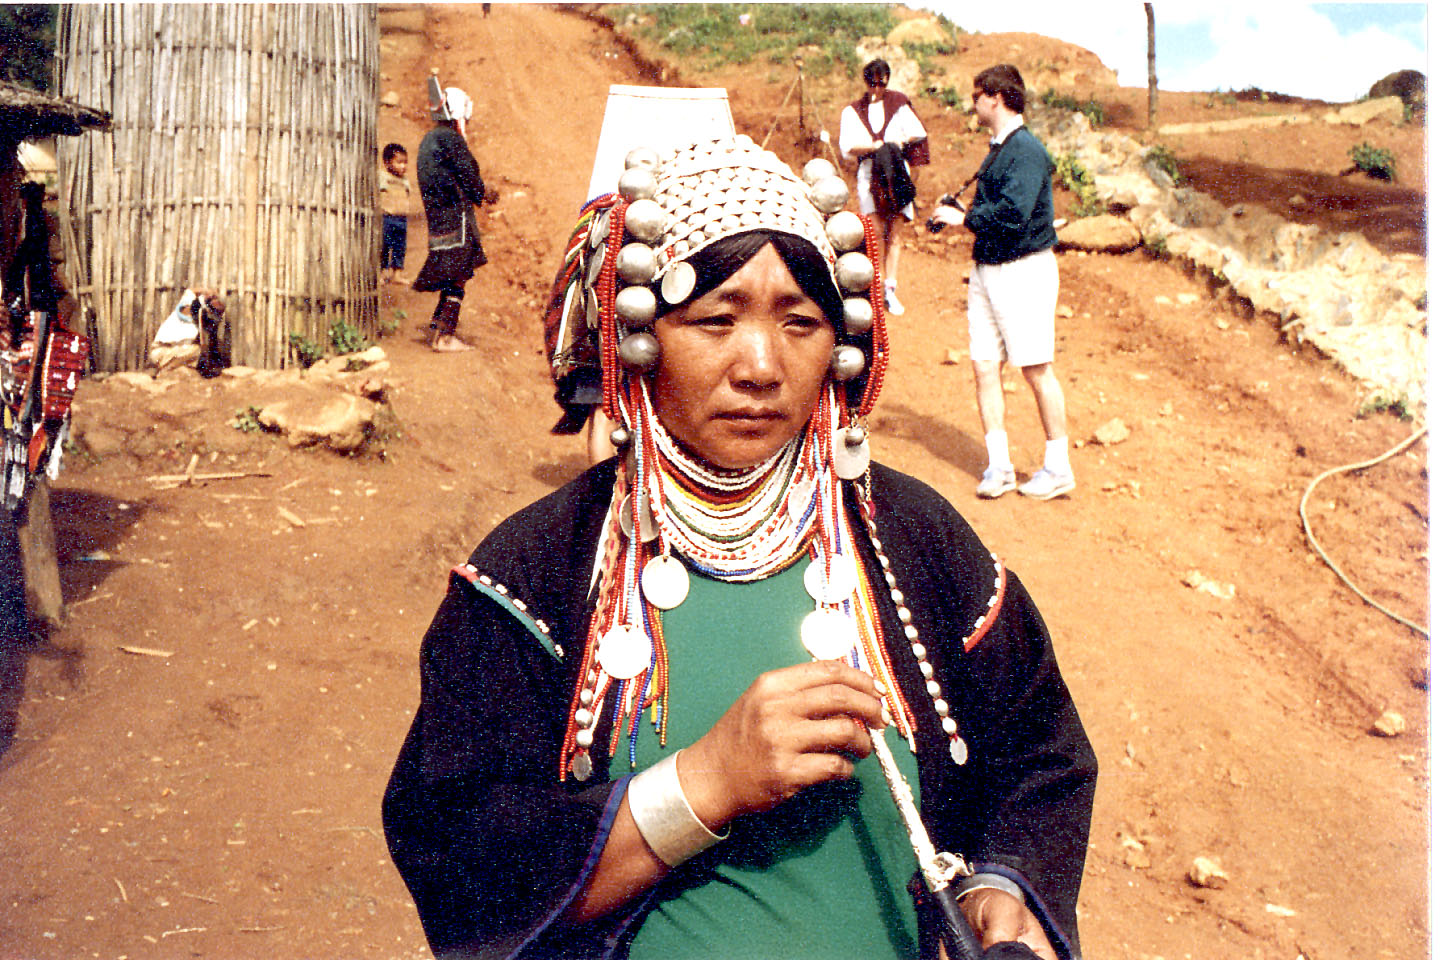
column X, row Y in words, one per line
column 1012, row 310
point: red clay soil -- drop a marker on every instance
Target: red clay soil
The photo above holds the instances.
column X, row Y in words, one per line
column 223, row 800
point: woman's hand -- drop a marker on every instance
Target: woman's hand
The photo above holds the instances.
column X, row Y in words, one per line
column 997, row 917
column 793, row 728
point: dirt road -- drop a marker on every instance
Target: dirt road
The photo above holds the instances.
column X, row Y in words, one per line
column 223, row 800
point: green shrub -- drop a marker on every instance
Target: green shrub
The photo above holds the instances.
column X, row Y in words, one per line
column 1399, row 407
column 1164, row 158
column 307, row 351
column 1079, row 181
column 247, row 420
column 947, row 95
column 1091, row 108
column 713, row 35
column 1375, row 162
column 347, row 338
column 1157, row 247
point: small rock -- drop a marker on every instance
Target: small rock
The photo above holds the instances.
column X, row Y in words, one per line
column 1279, row 911
column 1065, row 311
column 1112, row 432
column 1222, row 324
column 1198, row 581
column 953, row 357
column 391, row 99
column 1208, row 874
column 1187, row 299
column 1163, row 300
column 1298, row 200
column 1388, row 724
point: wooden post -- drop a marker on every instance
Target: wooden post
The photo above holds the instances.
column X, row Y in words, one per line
column 1150, row 58
column 800, row 79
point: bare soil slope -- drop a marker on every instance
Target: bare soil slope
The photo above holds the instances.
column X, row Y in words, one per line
column 223, row 800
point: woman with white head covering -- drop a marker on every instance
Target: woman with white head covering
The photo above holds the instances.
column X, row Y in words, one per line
column 451, row 188
column 662, row 709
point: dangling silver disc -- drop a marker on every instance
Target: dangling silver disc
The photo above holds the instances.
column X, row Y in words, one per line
column 827, row 634
column 959, row 752
column 600, row 229
column 592, row 270
column 840, row 584
column 665, row 582
column 678, row 283
column 649, row 529
column 581, row 766
column 624, row 652
column 851, row 462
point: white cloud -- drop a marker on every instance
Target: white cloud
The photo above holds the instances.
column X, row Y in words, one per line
column 1284, row 47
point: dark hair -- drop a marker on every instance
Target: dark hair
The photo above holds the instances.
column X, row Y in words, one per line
column 876, row 71
column 722, row 259
column 391, row 149
column 1005, row 80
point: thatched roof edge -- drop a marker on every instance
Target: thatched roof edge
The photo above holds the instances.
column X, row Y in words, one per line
column 26, row 113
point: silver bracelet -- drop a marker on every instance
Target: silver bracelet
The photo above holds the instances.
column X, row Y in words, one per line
column 664, row 817
column 990, row 881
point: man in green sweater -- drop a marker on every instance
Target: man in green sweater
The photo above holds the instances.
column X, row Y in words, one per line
column 1014, row 286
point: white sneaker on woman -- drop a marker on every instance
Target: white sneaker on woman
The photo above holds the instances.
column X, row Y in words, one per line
column 892, row 302
column 995, row 483
column 1046, row 484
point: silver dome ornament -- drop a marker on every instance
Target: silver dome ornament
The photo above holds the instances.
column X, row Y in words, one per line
column 845, row 231
column 635, row 306
column 829, row 194
column 636, row 263
column 854, row 435
column 641, row 351
column 619, row 437
column 641, row 157
column 645, row 221
column 854, row 272
column 637, row 183
column 846, row 363
column 817, row 169
column 859, row 316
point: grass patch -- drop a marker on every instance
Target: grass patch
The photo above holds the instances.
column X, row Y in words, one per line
column 347, row 338
column 247, row 420
column 712, row 35
column 1397, row 407
column 1091, row 108
column 1164, row 158
column 306, row 351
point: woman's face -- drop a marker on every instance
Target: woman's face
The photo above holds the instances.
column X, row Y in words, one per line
column 741, row 367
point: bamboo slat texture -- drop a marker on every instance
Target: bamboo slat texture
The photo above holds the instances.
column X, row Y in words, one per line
column 242, row 157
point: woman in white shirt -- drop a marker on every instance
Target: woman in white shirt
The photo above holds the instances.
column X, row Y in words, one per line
column 878, row 118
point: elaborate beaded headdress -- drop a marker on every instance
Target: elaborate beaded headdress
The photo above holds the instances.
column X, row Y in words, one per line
column 630, row 253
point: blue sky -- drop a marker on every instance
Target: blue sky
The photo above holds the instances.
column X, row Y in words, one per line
column 1326, row 51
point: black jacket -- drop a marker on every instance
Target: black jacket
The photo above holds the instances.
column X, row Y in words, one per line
column 494, row 845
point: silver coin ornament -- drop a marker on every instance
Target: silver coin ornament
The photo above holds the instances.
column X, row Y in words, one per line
column 640, row 351
column 858, row 315
column 641, row 157
column 817, row 169
column 599, row 229
column 827, row 634
column 624, row 652
column 837, row 586
column 637, row 183
column 592, row 269
column 847, row 362
column 845, row 231
column 854, row 272
column 798, row 503
column 959, row 752
column 581, row 766
column 665, row 582
column 636, row 306
column 645, row 221
column 649, row 529
column 678, row 283
column 829, row 194
column 850, row 460
column 635, row 263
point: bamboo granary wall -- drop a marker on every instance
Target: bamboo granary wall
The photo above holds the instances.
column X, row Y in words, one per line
column 242, row 158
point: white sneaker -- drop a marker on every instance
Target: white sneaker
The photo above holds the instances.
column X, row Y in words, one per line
column 995, row 483
column 892, row 302
column 1046, row 484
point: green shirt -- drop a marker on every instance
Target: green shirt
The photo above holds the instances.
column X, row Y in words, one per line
column 822, row 875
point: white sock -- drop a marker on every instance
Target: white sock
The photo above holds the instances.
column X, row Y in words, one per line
column 1057, row 456
column 997, row 445
column 891, row 284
